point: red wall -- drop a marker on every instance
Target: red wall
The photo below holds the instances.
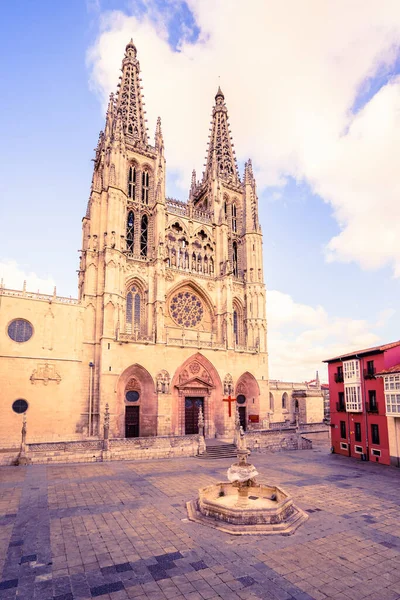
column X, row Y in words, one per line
column 381, row 361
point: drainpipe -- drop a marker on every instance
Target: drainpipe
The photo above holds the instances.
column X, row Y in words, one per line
column 365, row 406
column 91, row 375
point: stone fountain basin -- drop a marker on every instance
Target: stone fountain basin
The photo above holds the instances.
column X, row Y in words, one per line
column 260, row 508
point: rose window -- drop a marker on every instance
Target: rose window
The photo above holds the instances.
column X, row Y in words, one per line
column 186, row 309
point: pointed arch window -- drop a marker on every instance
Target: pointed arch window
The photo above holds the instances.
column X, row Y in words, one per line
column 235, row 327
column 133, row 310
column 130, row 231
column 132, row 182
column 145, row 187
column 234, row 219
column 144, row 232
column 235, row 259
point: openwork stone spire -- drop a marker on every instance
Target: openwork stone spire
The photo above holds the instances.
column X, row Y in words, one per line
column 129, row 100
column 221, row 154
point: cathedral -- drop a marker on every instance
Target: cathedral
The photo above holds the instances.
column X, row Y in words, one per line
column 170, row 319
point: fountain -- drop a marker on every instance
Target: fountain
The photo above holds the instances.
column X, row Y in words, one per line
column 243, row 506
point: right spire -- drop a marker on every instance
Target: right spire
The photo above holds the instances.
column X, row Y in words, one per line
column 221, row 154
column 129, row 102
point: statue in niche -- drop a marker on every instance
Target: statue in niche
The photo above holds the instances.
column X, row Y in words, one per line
column 163, row 382
column 228, row 385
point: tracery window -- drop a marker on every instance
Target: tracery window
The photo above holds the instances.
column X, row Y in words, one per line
column 144, row 232
column 235, row 259
column 130, row 231
column 234, row 221
column 133, row 305
column 132, row 182
column 145, row 187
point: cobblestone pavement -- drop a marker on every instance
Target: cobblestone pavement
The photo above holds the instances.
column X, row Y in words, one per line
column 120, row 530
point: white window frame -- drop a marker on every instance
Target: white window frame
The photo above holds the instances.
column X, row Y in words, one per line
column 358, row 450
column 375, row 452
column 392, row 402
column 352, row 398
column 392, row 382
column 351, row 371
column 344, row 446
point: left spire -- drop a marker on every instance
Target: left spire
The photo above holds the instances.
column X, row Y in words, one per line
column 129, row 102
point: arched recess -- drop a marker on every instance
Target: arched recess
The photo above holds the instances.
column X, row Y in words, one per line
column 136, row 378
column 247, row 394
column 205, row 323
column 271, row 402
column 285, row 401
column 238, row 323
column 197, row 378
column 135, row 306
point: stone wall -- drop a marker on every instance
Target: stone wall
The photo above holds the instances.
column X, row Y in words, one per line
column 92, row 450
column 277, row 440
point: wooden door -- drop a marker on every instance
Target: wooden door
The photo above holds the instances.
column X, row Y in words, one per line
column 242, row 417
column 192, row 407
column 131, row 421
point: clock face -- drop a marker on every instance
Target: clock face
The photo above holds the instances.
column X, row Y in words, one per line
column 186, row 309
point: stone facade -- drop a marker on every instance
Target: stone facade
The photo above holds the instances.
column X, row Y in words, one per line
column 170, row 316
column 296, row 402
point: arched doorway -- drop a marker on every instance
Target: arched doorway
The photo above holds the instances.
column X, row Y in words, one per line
column 196, row 387
column 137, row 404
column 248, row 400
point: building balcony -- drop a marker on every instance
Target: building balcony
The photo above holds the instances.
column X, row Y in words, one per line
column 369, row 373
column 372, row 408
column 338, row 377
column 340, row 407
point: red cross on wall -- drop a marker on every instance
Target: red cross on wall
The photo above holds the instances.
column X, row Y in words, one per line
column 230, row 400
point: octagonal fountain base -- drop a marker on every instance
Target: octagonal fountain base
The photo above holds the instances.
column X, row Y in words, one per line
column 246, row 509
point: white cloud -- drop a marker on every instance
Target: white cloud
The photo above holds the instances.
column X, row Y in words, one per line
column 14, row 275
column 301, row 336
column 291, row 73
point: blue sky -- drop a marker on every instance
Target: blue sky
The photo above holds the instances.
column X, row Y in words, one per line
column 61, row 62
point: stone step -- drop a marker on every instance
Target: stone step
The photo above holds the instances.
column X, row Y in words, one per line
column 219, row 451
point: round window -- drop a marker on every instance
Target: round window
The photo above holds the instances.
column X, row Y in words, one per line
column 20, row 406
column 20, row 330
column 241, row 399
column 132, row 396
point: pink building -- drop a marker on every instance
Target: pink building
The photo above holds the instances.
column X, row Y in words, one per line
column 365, row 403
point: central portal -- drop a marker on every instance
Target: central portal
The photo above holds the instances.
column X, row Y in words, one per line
column 192, row 408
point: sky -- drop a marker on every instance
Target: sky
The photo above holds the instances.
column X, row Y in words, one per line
column 313, row 95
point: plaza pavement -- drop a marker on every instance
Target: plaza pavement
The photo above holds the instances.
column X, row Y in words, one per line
column 120, row 530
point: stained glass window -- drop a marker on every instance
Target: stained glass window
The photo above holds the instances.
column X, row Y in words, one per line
column 186, row 309
column 20, row 406
column 20, row 330
column 133, row 309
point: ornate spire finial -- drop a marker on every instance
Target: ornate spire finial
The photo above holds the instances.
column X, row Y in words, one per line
column 221, row 160
column 130, row 48
column 129, row 99
column 219, row 93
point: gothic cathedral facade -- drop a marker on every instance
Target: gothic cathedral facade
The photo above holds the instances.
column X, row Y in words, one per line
column 171, row 313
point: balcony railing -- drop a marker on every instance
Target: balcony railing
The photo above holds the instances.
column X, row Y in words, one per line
column 369, row 373
column 371, row 408
column 338, row 377
column 340, row 407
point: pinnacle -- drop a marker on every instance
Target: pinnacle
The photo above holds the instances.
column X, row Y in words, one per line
column 219, row 93
column 130, row 45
